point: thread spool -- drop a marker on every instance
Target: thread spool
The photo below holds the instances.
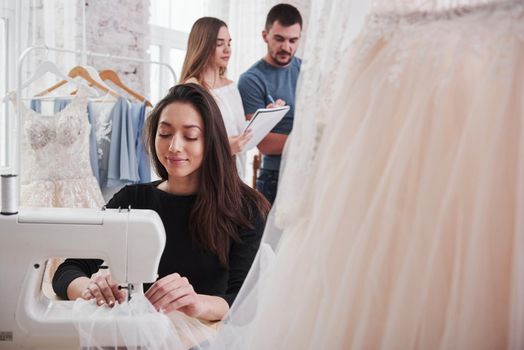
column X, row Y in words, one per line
column 9, row 195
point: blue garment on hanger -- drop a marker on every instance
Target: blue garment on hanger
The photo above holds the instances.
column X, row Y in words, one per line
column 60, row 104
column 36, row 105
column 137, row 112
column 122, row 168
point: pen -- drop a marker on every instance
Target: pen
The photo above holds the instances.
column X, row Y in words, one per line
column 271, row 99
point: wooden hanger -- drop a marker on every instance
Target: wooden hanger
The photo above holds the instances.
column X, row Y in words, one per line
column 111, row 75
column 79, row 71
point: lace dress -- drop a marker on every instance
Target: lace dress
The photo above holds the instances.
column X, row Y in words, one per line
column 57, row 171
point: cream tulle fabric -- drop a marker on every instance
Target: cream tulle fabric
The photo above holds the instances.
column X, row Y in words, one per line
column 410, row 231
column 137, row 325
column 56, row 171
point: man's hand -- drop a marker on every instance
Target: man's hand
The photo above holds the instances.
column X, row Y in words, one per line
column 278, row 103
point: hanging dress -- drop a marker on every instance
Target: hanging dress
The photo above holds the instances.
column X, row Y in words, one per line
column 410, row 230
column 57, row 172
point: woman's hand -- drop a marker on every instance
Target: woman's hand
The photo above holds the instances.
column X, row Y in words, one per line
column 237, row 143
column 174, row 292
column 100, row 287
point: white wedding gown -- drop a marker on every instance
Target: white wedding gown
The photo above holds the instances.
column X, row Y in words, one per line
column 409, row 227
column 55, row 167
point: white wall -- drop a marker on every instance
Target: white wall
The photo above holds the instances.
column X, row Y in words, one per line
column 118, row 28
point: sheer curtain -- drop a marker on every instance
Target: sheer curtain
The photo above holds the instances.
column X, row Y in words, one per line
column 51, row 23
column 41, row 22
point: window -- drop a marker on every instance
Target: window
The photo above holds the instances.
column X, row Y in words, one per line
column 154, row 72
column 176, row 15
column 176, row 60
column 170, row 25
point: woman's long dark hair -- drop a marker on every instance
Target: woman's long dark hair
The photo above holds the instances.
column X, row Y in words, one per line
column 224, row 203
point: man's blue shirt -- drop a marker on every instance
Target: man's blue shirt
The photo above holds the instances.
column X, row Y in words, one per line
column 263, row 80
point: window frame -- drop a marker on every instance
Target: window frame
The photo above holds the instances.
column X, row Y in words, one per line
column 166, row 39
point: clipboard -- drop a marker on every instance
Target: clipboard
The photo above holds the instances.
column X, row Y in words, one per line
column 262, row 122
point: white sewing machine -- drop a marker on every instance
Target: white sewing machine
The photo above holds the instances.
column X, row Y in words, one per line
column 130, row 241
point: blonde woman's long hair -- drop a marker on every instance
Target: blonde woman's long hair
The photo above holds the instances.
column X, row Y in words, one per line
column 201, row 49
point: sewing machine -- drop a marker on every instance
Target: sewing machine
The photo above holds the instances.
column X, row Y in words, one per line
column 129, row 241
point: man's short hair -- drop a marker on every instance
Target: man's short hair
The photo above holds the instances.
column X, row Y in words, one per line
column 285, row 14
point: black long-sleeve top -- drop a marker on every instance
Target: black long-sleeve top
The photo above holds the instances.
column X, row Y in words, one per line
column 181, row 253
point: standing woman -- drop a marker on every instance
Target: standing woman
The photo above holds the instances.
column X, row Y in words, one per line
column 208, row 53
column 213, row 221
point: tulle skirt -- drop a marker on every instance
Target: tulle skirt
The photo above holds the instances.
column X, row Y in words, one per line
column 137, row 325
column 411, row 234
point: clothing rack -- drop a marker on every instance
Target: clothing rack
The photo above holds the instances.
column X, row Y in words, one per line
column 10, row 183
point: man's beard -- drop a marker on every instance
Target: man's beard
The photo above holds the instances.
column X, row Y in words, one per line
column 282, row 63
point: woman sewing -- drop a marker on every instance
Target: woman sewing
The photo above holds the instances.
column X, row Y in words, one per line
column 213, row 221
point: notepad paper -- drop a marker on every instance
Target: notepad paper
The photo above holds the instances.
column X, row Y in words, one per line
column 263, row 120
